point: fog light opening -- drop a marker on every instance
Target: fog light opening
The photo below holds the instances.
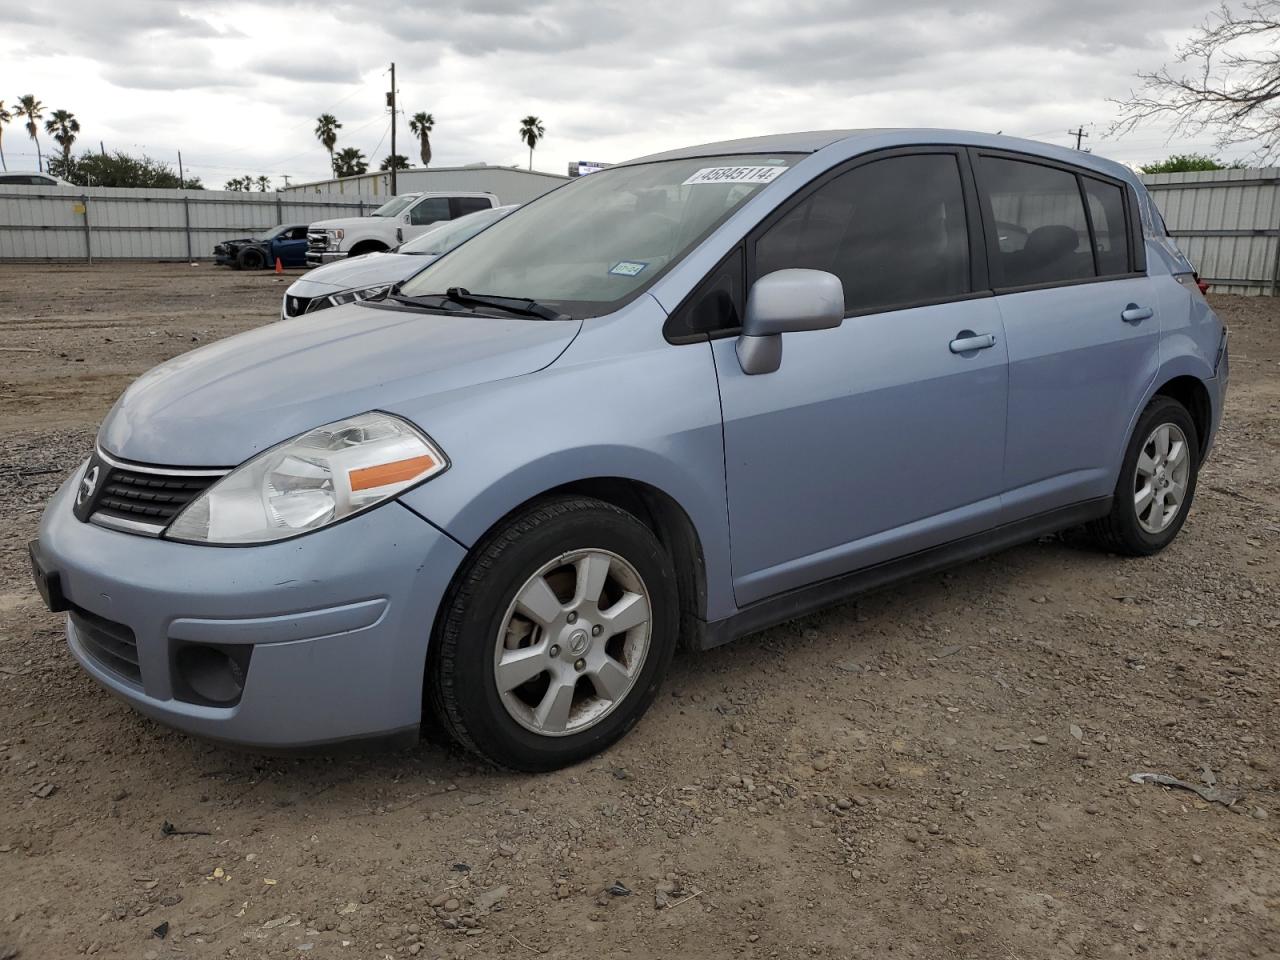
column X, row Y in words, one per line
column 214, row 676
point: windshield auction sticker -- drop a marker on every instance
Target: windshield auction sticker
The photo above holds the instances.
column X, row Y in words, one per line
column 735, row 175
column 628, row 268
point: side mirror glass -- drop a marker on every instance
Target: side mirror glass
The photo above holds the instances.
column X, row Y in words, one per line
column 786, row 301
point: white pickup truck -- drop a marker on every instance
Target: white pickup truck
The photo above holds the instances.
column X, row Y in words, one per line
column 399, row 219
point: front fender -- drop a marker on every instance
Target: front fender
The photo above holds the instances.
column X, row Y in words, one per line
column 621, row 403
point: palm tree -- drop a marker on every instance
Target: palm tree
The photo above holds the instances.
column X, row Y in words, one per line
column 63, row 127
column 327, row 127
column 531, row 131
column 397, row 161
column 5, row 117
column 421, row 126
column 264, row 184
column 31, row 108
column 349, row 162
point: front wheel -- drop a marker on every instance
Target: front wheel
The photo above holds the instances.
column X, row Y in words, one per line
column 555, row 637
column 251, row 258
column 1157, row 482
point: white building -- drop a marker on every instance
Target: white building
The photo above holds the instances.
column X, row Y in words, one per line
column 508, row 184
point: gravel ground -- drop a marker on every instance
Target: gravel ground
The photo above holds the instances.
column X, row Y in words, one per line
column 938, row 770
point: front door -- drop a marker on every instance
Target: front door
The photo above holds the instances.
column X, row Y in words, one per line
column 425, row 214
column 885, row 435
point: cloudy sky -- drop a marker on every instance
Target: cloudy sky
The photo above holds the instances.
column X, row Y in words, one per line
column 237, row 86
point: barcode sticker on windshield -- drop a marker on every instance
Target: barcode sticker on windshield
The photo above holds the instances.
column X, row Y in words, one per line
column 735, row 175
column 628, row 268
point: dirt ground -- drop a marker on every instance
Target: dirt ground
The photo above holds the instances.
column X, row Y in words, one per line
column 940, row 770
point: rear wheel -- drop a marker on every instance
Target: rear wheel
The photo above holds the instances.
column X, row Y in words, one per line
column 555, row 637
column 1157, row 482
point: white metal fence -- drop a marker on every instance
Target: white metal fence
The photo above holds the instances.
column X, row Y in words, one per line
column 111, row 223
column 1227, row 222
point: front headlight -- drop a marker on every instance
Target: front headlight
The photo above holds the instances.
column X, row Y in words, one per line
column 349, row 296
column 338, row 234
column 311, row 481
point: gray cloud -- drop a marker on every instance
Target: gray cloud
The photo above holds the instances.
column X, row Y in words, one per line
column 610, row 79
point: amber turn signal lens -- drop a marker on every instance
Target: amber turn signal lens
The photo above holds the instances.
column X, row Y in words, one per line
column 367, row 478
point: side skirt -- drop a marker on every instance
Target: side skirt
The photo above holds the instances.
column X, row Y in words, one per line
column 805, row 600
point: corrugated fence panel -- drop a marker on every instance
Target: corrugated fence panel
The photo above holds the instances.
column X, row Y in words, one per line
column 1227, row 222
column 56, row 223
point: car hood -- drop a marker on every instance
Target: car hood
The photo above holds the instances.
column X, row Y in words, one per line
column 345, row 222
column 221, row 404
column 356, row 273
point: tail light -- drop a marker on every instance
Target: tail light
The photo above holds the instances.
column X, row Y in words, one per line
column 1202, row 284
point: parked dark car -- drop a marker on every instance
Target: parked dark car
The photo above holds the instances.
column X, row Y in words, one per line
column 287, row 241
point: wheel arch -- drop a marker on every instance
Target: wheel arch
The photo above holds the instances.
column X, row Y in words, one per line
column 1192, row 393
column 657, row 509
column 368, row 246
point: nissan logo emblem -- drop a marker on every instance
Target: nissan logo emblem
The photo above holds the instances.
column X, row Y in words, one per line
column 88, row 485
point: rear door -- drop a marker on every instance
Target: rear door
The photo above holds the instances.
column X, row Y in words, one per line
column 1067, row 264
column 885, row 435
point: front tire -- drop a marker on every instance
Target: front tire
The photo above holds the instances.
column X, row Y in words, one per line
column 1157, row 482
column 251, row 258
column 555, row 636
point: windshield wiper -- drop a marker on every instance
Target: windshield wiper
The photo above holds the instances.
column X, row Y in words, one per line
column 464, row 298
column 528, row 308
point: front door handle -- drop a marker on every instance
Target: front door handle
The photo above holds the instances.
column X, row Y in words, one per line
column 967, row 341
column 1136, row 314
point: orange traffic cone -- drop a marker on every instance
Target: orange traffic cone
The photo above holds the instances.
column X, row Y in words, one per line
column 279, row 266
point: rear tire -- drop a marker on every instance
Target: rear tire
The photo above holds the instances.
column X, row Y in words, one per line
column 1157, row 482
column 527, row 668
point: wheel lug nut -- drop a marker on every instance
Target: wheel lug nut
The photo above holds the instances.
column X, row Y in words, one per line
column 579, row 664
column 597, row 630
column 572, row 618
column 555, row 650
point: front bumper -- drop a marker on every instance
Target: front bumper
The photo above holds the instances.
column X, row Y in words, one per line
column 315, row 259
column 338, row 620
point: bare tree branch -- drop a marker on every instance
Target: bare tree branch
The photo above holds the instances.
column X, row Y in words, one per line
column 1225, row 81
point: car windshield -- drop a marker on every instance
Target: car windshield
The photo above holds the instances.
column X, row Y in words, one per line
column 597, row 242
column 270, row 234
column 440, row 240
column 393, row 206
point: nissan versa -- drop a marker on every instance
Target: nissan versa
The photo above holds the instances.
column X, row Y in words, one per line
column 671, row 403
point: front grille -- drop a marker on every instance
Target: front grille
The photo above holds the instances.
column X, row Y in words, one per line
column 296, row 306
column 148, row 497
column 318, row 242
column 109, row 643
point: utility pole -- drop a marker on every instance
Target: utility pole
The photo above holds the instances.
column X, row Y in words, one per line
column 391, row 102
column 1078, row 133
column 182, row 182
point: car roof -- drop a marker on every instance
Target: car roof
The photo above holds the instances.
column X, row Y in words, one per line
column 812, row 141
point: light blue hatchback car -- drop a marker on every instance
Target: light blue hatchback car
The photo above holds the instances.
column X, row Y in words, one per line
column 671, row 403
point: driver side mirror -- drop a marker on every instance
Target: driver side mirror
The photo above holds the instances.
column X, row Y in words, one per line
column 404, row 218
column 786, row 301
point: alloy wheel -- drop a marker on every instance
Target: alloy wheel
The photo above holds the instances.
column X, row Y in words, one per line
column 1161, row 478
column 572, row 642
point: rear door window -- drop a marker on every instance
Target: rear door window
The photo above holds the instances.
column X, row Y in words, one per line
column 894, row 231
column 1041, row 231
column 464, row 205
column 429, row 210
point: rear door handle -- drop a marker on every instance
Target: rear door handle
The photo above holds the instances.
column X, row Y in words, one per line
column 967, row 341
column 1136, row 314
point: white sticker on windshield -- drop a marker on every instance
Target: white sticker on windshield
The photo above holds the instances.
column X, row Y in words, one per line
column 735, row 175
column 627, row 268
